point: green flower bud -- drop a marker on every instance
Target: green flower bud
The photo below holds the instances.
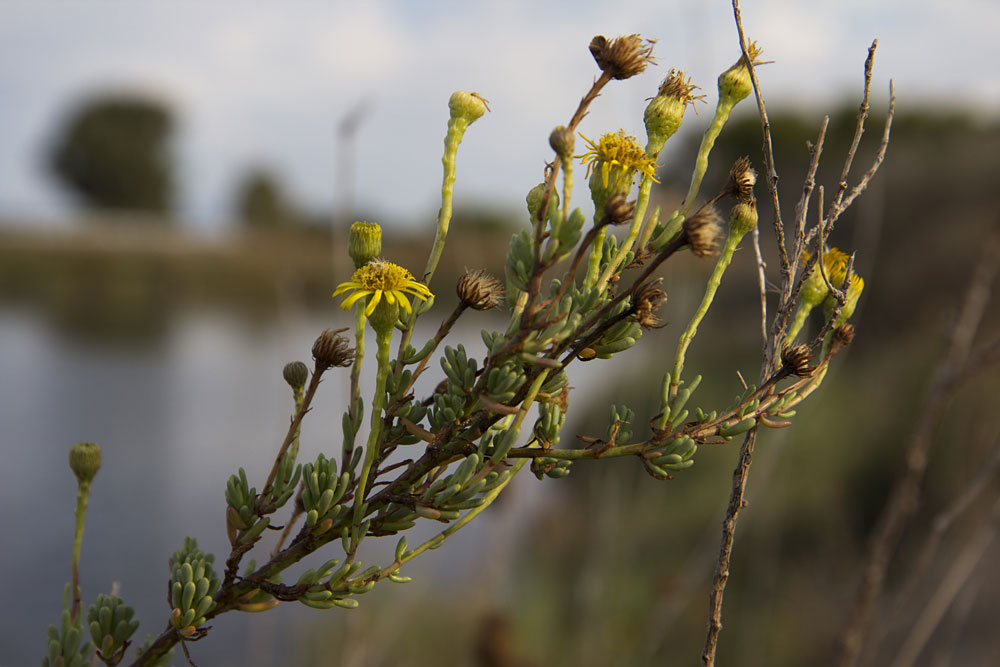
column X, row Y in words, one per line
column 295, row 373
column 467, row 107
column 534, row 199
column 735, row 83
column 364, row 243
column 743, row 219
column 85, row 461
column 665, row 112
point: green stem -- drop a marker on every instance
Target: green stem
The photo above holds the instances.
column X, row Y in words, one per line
column 567, row 169
column 670, row 390
column 640, row 212
column 594, row 263
column 456, row 130
column 467, row 518
column 384, row 340
column 82, row 495
column 359, row 355
column 800, row 319
column 722, row 112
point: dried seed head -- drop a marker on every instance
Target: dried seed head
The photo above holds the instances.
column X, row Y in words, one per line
column 703, row 231
column 647, row 302
column 795, row 360
column 624, row 57
column 85, row 461
column 842, row 337
column 742, row 178
column 479, row 290
column 562, row 141
column 331, row 349
column 618, row 210
column 295, row 374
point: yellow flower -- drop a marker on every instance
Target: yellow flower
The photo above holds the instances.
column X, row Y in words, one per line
column 379, row 279
column 618, row 155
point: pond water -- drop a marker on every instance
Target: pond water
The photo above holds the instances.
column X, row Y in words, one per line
column 175, row 415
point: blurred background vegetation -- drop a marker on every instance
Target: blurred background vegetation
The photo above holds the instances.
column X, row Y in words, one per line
column 606, row 567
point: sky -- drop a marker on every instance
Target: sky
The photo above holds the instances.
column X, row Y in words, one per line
column 267, row 83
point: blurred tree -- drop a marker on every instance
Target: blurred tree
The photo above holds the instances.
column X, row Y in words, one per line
column 113, row 153
column 261, row 201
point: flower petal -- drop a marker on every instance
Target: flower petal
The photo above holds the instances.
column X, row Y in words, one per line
column 349, row 301
column 373, row 302
column 403, row 302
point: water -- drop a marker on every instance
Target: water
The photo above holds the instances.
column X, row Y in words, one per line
column 175, row 415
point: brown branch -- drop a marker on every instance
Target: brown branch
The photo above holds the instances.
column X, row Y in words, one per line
column 721, row 576
column 904, row 497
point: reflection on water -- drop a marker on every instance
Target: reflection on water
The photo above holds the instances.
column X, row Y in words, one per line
column 174, row 417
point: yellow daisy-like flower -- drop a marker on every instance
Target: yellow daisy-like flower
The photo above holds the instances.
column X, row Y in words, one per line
column 620, row 155
column 382, row 279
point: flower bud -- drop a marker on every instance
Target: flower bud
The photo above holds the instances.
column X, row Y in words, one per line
column 665, row 112
column 467, row 107
column 534, row 199
column 562, row 141
column 735, row 83
column 624, row 57
column 479, row 290
column 295, row 374
column 364, row 242
column 85, row 461
column 331, row 349
column 743, row 219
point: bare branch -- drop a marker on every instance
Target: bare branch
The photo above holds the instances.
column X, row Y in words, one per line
column 904, row 497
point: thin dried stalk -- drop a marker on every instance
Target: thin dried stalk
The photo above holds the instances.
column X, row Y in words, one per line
column 905, row 494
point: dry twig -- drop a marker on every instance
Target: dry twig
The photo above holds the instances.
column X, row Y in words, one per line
column 904, row 497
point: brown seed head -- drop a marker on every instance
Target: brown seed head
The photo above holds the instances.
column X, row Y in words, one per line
column 795, row 360
column 703, row 231
column 842, row 337
column 624, row 57
column 618, row 210
column 479, row 290
column 675, row 85
column 647, row 302
column 742, row 178
column 331, row 349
